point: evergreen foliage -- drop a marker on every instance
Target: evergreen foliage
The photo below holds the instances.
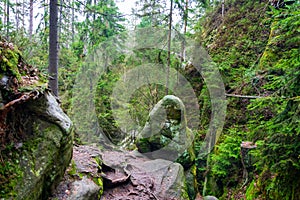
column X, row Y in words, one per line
column 254, row 45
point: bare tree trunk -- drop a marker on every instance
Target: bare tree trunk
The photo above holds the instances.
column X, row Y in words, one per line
column 184, row 29
column 169, row 48
column 17, row 15
column 4, row 15
column 23, row 13
column 53, row 48
column 30, row 18
column 73, row 21
column 182, row 53
column 7, row 18
column 60, row 20
column 223, row 8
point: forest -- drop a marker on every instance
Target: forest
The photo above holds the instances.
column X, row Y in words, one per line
column 150, row 99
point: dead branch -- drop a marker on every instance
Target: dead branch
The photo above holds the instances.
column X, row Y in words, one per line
column 25, row 97
column 243, row 96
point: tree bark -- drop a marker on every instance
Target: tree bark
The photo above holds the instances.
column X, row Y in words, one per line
column 53, row 48
column 60, row 18
column 73, row 21
column 7, row 18
column 169, row 48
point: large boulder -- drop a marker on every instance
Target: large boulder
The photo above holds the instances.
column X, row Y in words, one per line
column 35, row 134
column 84, row 189
column 82, row 180
column 38, row 160
column 130, row 175
column 166, row 136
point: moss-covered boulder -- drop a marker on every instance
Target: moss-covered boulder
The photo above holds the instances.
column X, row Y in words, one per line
column 35, row 134
column 166, row 136
column 36, row 160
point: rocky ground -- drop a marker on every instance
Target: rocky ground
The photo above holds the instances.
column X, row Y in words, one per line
column 123, row 174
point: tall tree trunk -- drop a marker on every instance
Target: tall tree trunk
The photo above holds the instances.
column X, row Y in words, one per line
column 210, row 143
column 185, row 18
column 30, row 18
column 4, row 15
column 53, row 48
column 223, row 8
column 7, row 18
column 17, row 15
column 24, row 4
column 60, row 20
column 169, row 48
column 94, row 14
column 73, row 21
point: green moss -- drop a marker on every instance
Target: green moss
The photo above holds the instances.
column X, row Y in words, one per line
column 9, row 62
column 99, row 182
column 143, row 145
column 99, row 162
column 251, row 192
column 35, row 172
column 236, row 42
column 73, row 170
column 10, row 174
column 184, row 193
column 55, row 138
column 40, row 85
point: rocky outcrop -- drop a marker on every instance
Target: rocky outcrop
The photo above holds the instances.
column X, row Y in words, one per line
column 114, row 174
column 84, row 189
column 35, row 135
column 166, row 136
column 42, row 148
column 82, row 180
column 46, row 150
column 130, row 175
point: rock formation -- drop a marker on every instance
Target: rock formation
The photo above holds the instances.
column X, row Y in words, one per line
column 35, row 134
column 166, row 136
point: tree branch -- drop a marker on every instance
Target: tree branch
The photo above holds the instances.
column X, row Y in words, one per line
column 243, row 96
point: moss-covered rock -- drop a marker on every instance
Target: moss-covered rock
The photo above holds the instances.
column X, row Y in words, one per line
column 9, row 59
column 167, row 136
column 38, row 160
column 43, row 160
column 36, row 137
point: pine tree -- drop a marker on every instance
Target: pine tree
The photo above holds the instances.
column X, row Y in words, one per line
column 53, row 48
